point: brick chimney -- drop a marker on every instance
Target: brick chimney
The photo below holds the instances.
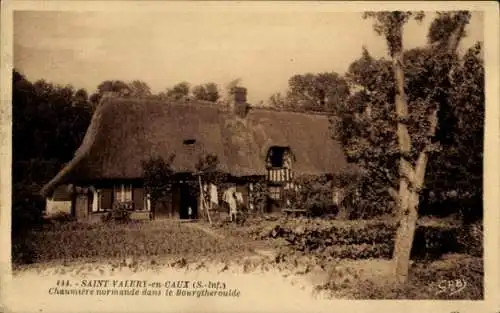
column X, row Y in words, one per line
column 239, row 101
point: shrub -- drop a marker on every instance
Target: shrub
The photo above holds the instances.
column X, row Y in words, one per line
column 425, row 276
column 471, row 238
column 314, row 195
column 61, row 217
column 158, row 176
column 367, row 199
column 362, row 239
column 258, row 196
column 120, row 212
column 27, row 209
column 359, row 251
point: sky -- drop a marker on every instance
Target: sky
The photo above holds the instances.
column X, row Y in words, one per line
column 263, row 48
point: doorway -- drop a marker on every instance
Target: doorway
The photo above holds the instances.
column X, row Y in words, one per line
column 188, row 202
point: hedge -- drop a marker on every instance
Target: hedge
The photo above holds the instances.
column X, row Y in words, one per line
column 364, row 239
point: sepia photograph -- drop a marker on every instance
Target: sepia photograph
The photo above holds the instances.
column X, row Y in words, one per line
column 246, row 156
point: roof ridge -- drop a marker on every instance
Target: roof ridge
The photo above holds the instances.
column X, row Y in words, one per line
column 218, row 105
column 166, row 101
column 271, row 109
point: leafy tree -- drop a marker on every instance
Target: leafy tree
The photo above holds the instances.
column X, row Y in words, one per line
column 48, row 124
column 278, row 101
column 366, row 126
column 139, row 89
column 95, row 98
column 314, row 196
column 179, row 91
column 81, row 98
column 312, row 92
column 49, row 121
column 158, row 174
column 206, row 92
column 118, row 87
column 455, row 177
column 414, row 111
column 207, row 167
column 317, row 92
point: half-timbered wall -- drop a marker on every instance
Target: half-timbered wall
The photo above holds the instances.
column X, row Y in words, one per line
column 279, row 175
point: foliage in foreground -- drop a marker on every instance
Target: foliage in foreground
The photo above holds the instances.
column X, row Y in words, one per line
column 71, row 241
column 363, row 239
column 427, row 280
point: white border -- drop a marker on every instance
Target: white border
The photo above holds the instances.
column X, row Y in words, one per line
column 492, row 138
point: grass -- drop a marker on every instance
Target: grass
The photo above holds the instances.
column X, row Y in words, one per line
column 71, row 241
column 372, row 278
column 156, row 241
column 427, row 280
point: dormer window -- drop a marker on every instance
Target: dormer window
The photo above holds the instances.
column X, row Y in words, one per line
column 279, row 157
column 189, row 142
column 279, row 165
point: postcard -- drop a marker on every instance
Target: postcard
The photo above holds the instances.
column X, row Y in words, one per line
column 260, row 156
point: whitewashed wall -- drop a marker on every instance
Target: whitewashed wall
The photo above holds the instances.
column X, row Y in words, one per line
column 53, row 207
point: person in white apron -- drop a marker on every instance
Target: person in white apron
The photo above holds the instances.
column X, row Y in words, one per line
column 233, row 207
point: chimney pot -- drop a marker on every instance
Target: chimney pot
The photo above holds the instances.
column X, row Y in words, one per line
column 240, row 105
column 239, row 94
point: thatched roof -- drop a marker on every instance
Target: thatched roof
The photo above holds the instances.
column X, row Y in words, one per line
column 61, row 193
column 124, row 132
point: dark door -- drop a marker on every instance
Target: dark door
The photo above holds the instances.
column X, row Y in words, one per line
column 81, row 206
column 188, row 203
column 163, row 208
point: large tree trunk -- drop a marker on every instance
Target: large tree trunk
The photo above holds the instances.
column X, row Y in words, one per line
column 408, row 216
column 407, row 196
column 412, row 178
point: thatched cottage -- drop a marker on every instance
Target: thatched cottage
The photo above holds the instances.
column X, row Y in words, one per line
column 249, row 143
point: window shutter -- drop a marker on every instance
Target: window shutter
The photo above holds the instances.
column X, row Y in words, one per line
column 129, row 192
column 99, row 200
column 95, row 201
column 138, row 198
column 106, row 199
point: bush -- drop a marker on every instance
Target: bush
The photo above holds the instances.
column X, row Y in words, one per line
column 367, row 199
column 423, row 280
column 120, row 212
column 359, row 251
column 259, row 196
column 27, row 209
column 471, row 238
column 314, row 195
column 61, row 217
column 362, row 239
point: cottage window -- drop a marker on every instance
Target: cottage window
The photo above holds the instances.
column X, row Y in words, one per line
column 96, row 201
column 123, row 193
column 275, row 192
column 147, row 202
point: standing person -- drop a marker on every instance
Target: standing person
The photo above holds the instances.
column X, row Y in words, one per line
column 229, row 199
column 233, row 209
